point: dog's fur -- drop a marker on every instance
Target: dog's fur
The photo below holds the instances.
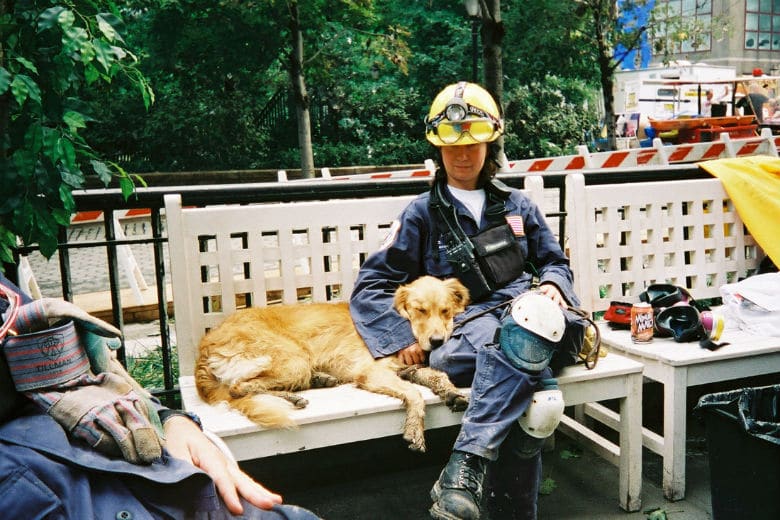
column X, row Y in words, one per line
column 277, row 350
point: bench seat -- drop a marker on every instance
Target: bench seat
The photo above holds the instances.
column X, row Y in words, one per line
column 345, row 414
column 225, row 257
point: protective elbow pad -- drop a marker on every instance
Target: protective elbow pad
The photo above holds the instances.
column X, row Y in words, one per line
column 544, row 414
column 531, row 331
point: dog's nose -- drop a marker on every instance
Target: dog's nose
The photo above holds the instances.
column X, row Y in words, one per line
column 436, row 341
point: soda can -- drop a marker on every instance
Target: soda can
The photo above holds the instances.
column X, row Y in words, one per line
column 641, row 323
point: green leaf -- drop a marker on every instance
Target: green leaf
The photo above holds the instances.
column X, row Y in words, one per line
column 7, row 241
column 655, row 514
column 19, row 90
column 570, row 454
column 106, row 28
column 51, row 144
column 47, row 244
column 119, row 52
column 66, row 19
column 72, row 176
column 68, row 206
column 91, row 74
column 75, row 39
column 5, row 80
column 87, row 52
column 27, row 64
column 49, row 18
column 102, row 170
column 146, row 92
column 547, row 486
column 74, row 120
column 140, row 180
column 33, row 138
column 110, row 25
column 67, row 154
column 127, row 187
column 104, row 54
column 24, row 87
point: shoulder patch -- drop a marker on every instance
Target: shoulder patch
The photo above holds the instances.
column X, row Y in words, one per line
column 392, row 234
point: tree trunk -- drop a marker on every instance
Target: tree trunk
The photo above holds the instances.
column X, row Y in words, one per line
column 604, row 20
column 492, row 37
column 300, row 94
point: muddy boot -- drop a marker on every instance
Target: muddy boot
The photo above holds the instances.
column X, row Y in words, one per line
column 457, row 495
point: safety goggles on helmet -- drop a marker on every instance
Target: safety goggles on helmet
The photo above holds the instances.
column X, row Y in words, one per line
column 480, row 130
column 463, row 113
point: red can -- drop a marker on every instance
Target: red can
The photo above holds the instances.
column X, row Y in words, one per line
column 641, row 323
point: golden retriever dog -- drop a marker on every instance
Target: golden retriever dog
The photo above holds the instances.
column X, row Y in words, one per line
column 258, row 357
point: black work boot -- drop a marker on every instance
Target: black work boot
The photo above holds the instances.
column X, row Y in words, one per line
column 457, row 495
column 515, row 478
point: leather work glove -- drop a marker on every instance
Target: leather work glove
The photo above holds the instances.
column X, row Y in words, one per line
column 106, row 413
column 69, row 370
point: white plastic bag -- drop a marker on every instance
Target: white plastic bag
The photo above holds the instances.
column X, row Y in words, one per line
column 753, row 305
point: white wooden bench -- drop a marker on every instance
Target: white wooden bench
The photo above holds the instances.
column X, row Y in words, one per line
column 225, row 257
column 624, row 237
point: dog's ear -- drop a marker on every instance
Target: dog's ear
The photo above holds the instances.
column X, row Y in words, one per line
column 400, row 299
column 459, row 293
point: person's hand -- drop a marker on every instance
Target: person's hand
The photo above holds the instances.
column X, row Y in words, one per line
column 185, row 441
column 411, row 355
column 552, row 292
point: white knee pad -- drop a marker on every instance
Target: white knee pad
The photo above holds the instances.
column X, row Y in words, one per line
column 543, row 414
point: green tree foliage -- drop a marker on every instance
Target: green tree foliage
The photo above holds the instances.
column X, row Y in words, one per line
column 549, row 117
column 371, row 69
column 50, row 53
column 545, row 39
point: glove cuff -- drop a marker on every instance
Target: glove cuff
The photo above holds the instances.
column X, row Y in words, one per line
column 46, row 358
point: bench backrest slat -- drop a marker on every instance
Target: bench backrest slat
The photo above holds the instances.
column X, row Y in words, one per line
column 624, row 237
column 229, row 256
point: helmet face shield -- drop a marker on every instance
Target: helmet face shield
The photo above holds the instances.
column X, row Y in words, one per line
column 463, row 113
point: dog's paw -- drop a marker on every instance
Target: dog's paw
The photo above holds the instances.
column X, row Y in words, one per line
column 297, row 401
column 323, row 380
column 408, row 372
column 456, row 402
column 416, row 441
column 239, row 390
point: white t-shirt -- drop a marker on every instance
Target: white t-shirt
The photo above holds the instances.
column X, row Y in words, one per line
column 474, row 200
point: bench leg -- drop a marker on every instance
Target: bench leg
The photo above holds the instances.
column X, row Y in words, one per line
column 675, row 402
column 631, row 445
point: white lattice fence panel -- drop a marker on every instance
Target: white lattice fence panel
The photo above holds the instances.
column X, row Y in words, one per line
column 685, row 233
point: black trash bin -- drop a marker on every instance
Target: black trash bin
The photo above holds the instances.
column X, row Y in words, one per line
column 743, row 439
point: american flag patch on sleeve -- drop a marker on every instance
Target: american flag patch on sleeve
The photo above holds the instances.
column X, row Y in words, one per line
column 516, row 223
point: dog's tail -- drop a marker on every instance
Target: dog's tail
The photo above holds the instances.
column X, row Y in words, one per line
column 266, row 410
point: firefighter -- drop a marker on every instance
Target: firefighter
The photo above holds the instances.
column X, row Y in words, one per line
column 496, row 241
